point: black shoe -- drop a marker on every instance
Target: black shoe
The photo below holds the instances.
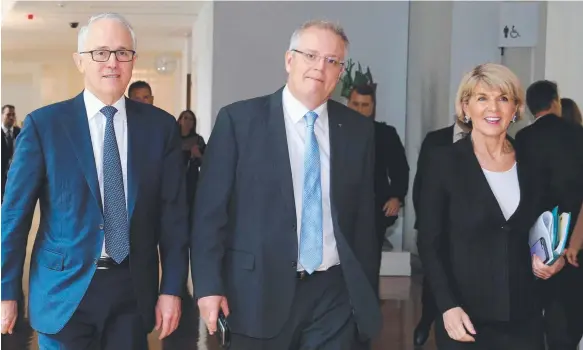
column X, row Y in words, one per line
column 421, row 333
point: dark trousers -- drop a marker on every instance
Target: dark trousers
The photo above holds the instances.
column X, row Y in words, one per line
column 563, row 317
column 520, row 335
column 429, row 309
column 107, row 317
column 320, row 318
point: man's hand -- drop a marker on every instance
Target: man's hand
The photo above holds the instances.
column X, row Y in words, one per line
column 168, row 311
column 195, row 152
column 543, row 271
column 392, row 207
column 9, row 314
column 209, row 310
column 571, row 255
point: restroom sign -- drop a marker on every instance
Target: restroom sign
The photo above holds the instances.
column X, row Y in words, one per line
column 518, row 25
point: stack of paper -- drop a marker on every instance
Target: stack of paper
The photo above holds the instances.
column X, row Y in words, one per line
column 548, row 237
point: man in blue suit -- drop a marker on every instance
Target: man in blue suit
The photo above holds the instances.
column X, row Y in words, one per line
column 109, row 177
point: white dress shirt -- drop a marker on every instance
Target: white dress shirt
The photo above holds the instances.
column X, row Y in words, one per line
column 97, row 122
column 506, row 189
column 295, row 129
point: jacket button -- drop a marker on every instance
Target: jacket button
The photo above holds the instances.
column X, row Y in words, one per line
column 101, row 226
column 294, row 264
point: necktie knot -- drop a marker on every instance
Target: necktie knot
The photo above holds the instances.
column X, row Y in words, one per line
column 311, row 117
column 109, row 111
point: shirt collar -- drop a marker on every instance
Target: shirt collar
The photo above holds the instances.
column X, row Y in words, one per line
column 297, row 110
column 7, row 129
column 93, row 105
column 457, row 129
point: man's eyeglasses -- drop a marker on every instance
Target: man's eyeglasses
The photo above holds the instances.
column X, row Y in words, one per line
column 103, row 55
column 313, row 58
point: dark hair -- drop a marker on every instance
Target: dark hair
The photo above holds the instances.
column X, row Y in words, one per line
column 571, row 112
column 140, row 84
column 540, row 96
column 188, row 111
column 7, row 107
column 366, row 90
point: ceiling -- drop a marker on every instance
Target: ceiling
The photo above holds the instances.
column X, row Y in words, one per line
column 158, row 24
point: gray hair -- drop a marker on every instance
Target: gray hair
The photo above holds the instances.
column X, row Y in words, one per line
column 82, row 37
column 321, row 24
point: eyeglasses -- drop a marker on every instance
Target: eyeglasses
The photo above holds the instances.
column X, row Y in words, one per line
column 313, row 58
column 103, row 55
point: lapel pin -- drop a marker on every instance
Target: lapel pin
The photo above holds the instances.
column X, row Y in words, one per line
column 340, row 125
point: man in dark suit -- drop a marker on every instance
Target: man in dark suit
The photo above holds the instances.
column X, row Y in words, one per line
column 284, row 239
column 391, row 167
column 109, row 177
column 9, row 134
column 554, row 147
column 141, row 91
column 435, row 139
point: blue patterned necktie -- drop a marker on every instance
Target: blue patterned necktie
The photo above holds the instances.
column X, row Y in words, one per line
column 311, row 234
column 116, row 227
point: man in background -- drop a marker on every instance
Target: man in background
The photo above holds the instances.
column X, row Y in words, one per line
column 553, row 148
column 391, row 167
column 433, row 140
column 141, row 91
column 9, row 133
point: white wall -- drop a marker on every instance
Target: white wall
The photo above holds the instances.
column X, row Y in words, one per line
column 250, row 40
column 202, row 72
column 564, row 48
column 427, row 87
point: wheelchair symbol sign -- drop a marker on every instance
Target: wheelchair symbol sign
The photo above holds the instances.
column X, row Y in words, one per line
column 513, row 33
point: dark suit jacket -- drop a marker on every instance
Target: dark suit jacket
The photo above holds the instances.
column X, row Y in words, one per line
column 473, row 257
column 554, row 148
column 6, row 150
column 244, row 242
column 390, row 163
column 433, row 140
column 54, row 164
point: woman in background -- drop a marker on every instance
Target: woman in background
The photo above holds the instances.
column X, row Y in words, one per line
column 478, row 205
column 570, row 111
column 193, row 147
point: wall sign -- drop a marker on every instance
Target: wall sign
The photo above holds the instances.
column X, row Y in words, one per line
column 519, row 24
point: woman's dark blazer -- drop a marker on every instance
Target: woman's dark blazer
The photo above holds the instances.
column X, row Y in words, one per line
column 473, row 257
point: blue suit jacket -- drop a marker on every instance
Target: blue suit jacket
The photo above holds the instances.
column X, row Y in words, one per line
column 54, row 163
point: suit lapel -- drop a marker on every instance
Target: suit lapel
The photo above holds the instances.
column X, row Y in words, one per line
column 134, row 156
column 76, row 126
column 277, row 139
column 476, row 181
column 339, row 136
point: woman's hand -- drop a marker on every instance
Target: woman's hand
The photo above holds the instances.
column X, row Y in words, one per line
column 571, row 255
column 457, row 324
column 545, row 272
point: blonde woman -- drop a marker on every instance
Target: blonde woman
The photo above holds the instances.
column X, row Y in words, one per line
column 478, row 203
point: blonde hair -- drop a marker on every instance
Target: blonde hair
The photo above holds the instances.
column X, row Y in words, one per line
column 495, row 76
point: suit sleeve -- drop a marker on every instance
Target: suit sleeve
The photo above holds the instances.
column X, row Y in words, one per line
column 25, row 178
column 366, row 244
column 174, row 234
column 421, row 165
column 211, row 216
column 432, row 223
column 398, row 168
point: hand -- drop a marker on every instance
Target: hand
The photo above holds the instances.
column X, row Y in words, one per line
column 545, row 272
column 457, row 324
column 195, row 152
column 571, row 255
column 168, row 310
column 392, row 207
column 209, row 310
column 9, row 315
